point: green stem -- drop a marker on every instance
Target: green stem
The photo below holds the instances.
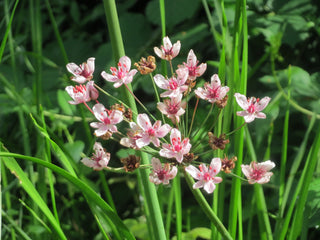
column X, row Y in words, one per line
column 207, row 208
column 148, row 187
column 284, row 144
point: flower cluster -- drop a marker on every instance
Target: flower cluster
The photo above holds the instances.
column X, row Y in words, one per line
column 171, row 142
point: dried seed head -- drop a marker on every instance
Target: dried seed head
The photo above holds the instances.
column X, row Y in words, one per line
column 217, row 142
column 131, row 163
column 228, row 164
column 146, row 66
column 223, row 102
column 189, row 157
column 118, row 107
column 127, row 113
column 191, row 84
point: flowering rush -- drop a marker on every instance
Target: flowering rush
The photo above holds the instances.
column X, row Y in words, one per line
column 167, row 142
column 206, row 176
column 252, row 107
column 168, row 51
column 258, row 172
column 192, row 65
column 178, row 147
column 82, row 73
column 150, row 133
column 99, row 159
column 107, row 119
column 82, row 93
column 161, row 174
column 212, row 92
column 174, row 86
column 122, row 75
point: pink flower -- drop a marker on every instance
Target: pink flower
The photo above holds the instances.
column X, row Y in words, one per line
column 133, row 134
column 175, row 85
column 212, row 92
column 194, row 70
column 177, row 148
column 173, row 108
column 107, row 118
column 81, row 93
column 258, row 172
column 252, row 107
column 99, row 159
column 83, row 72
column 162, row 174
column 206, row 176
column 168, row 52
column 150, row 133
column 122, row 75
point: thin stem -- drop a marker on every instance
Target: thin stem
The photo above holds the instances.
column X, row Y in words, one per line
column 141, row 104
column 193, row 115
column 207, row 208
column 88, row 107
column 205, row 120
column 242, row 125
column 149, row 191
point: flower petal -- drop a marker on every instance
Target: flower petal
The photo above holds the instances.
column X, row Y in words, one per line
column 193, row 171
column 242, row 101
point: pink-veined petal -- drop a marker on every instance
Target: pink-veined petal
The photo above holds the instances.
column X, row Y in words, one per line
column 193, row 171
column 198, row 184
column 262, row 104
column 242, row 101
column 209, row 187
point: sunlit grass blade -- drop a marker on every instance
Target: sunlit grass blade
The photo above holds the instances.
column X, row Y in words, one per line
column 148, row 187
column 66, row 161
column 169, row 214
column 84, row 188
column 27, row 185
column 309, row 168
column 177, row 199
column 238, row 84
column 295, row 166
column 285, row 143
column 300, row 189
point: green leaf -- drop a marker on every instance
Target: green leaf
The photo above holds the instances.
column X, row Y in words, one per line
column 85, row 189
column 27, row 185
column 63, row 98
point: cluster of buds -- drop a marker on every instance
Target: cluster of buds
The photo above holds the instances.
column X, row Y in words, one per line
column 168, row 141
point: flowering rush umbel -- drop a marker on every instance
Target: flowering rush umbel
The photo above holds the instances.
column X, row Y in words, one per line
column 175, row 141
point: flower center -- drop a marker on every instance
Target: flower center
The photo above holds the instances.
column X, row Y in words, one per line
column 251, row 108
column 257, row 174
column 151, row 131
column 105, row 119
column 172, row 108
column 192, row 71
column 161, row 174
column 214, row 92
column 79, row 89
column 206, row 177
column 176, row 144
column 173, row 84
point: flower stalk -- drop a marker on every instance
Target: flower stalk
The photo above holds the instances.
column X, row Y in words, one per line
column 149, row 188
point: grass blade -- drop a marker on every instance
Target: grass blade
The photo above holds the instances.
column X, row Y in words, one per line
column 85, row 189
